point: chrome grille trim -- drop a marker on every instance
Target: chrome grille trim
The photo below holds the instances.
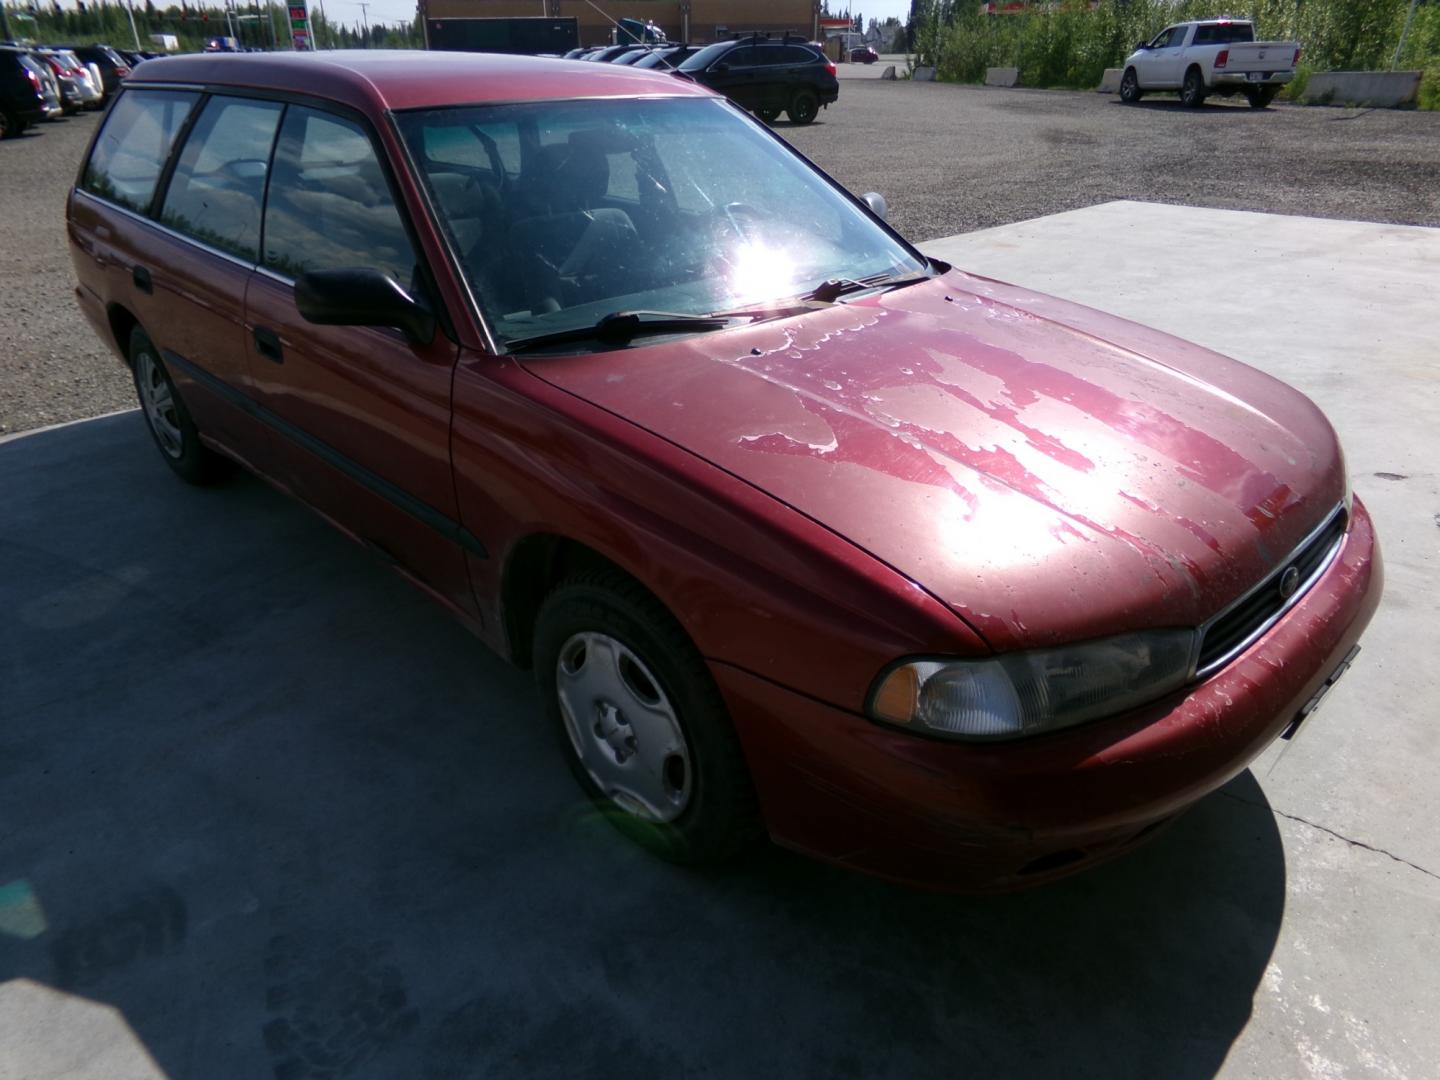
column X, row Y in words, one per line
column 1270, row 582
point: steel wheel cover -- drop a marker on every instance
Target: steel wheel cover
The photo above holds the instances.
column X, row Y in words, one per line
column 157, row 398
column 623, row 728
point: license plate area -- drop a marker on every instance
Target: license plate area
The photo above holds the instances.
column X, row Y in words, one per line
column 1256, row 76
column 1308, row 709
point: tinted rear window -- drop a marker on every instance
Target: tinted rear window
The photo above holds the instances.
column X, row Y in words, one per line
column 1224, row 35
column 134, row 144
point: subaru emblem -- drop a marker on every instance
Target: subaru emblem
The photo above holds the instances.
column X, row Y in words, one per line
column 1289, row 582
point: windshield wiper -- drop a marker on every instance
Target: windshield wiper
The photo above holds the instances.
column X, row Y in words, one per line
column 830, row 290
column 622, row 326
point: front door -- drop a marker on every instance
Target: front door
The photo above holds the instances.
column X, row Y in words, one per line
column 362, row 414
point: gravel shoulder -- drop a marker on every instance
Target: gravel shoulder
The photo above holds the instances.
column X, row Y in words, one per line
column 949, row 159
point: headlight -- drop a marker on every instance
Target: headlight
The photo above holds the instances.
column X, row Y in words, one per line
column 1030, row 693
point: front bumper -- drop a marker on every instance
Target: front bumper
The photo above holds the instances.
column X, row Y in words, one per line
column 993, row 816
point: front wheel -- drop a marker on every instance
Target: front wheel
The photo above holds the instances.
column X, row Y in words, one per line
column 167, row 418
column 641, row 721
column 1192, row 91
column 804, row 107
column 1130, row 87
column 768, row 115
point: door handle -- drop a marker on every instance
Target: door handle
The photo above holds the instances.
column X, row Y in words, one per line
column 141, row 277
column 268, row 343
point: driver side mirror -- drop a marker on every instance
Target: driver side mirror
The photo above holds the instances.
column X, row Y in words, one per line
column 1142, row 46
column 721, row 67
column 876, row 202
column 362, row 297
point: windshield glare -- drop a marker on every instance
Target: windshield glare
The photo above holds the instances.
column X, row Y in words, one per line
column 563, row 212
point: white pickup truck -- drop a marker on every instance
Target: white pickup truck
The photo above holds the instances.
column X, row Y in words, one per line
column 1211, row 56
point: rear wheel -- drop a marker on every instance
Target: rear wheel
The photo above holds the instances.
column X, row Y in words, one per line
column 167, row 418
column 804, row 107
column 1261, row 96
column 1130, row 87
column 1192, row 91
column 9, row 126
column 641, row 721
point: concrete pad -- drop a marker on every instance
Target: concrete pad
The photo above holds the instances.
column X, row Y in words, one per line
column 1380, row 89
column 1002, row 76
column 1347, row 312
column 923, row 74
column 1110, row 81
column 272, row 813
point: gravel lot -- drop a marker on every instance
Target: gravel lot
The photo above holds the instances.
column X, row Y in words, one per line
column 948, row 158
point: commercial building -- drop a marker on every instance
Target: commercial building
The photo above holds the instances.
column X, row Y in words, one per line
column 682, row 20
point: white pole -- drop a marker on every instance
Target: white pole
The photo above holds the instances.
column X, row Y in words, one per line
column 1395, row 62
column 130, row 10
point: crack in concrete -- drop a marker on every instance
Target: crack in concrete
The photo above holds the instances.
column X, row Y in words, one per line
column 1332, row 832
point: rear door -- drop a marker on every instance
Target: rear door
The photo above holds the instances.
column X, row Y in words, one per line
column 194, row 271
column 1170, row 61
column 362, row 414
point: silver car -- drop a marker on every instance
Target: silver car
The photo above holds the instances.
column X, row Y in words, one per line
column 83, row 89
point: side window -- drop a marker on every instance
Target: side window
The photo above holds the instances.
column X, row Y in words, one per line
column 798, row 54
column 770, row 55
column 218, row 186
column 741, row 57
column 134, row 145
column 1205, row 35
column 329, row 206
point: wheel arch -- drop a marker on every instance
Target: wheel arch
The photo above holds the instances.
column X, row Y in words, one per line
column 122, row 324
column 534, row 566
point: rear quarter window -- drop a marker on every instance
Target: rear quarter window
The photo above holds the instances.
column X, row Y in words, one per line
column 135, row 142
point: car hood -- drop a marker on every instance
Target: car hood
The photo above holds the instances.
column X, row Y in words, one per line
column 1049, row 472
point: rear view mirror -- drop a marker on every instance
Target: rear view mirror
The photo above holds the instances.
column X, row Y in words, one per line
column 876, row 202
column 361, row 297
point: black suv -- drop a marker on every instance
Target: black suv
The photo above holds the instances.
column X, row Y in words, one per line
column 22, row 95
column 768, row 76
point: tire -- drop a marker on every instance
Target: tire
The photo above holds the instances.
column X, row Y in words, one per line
column 804, row 107
column 641, row 722
column 1192, row 91
column 1260, row 97
column 10, row 126
column 768, row 115
column 1130, row 91
column 169, row 422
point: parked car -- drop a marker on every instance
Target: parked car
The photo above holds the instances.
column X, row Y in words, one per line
column 112, row 67
column 798, row 530
column 22, row 93
column 768, row 77
column 1211, row 56
column 863, row 55
column 49, row 84
column 77, row 85
column 608, row 53
column 635, row 53
column 668, row 56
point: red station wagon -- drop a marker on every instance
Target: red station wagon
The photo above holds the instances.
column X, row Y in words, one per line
column 800, row 531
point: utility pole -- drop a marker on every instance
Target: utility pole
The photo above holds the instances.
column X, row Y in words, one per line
column 4, row 23
column 364, row 7
column 130, row 10
column 1395, row 61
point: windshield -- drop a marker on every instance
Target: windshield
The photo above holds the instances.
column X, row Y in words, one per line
column 564, row 212
column 706, row 56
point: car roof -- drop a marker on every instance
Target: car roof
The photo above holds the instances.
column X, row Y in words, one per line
column 407, row 78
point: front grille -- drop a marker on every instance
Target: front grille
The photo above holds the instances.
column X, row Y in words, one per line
column 1247, row 618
